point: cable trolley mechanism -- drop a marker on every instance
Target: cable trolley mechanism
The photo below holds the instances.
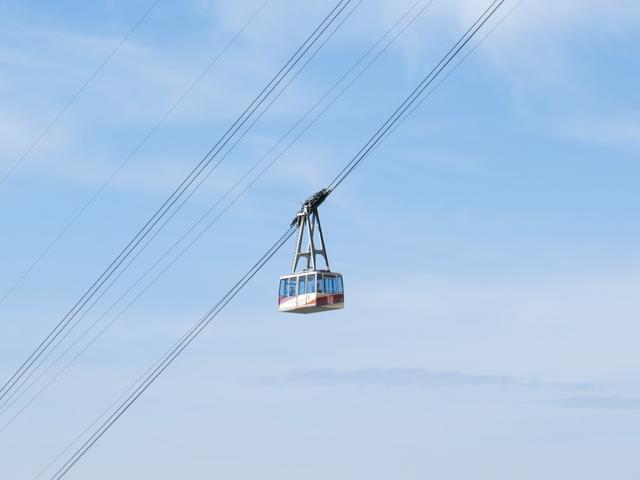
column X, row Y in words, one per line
column 310, row 289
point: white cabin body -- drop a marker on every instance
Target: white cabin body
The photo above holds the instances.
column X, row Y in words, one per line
column 310, row 292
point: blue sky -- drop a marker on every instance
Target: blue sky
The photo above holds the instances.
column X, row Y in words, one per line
column 488, row 247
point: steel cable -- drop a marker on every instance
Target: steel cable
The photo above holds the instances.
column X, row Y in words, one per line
column 10, row 401
column 49, row 247
column 415, row 94
column 168, row 358
column 177, row 194
column 75, row 96
column 173, row 353
column 15, row 394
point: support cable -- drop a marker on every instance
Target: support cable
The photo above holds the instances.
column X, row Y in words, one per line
column 211, row 314
column 415, row 94
column 471, row 51
column 173, row 353
column 8, row 401
column 177, row 194
column 75, row 96
column 23, row 276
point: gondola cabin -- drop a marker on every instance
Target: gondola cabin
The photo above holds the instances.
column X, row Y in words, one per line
column 310, row 289
column 311, row 292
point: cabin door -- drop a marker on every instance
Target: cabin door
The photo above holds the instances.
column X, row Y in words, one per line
column 301, row 298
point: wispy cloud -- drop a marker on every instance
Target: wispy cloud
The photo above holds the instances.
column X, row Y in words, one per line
column 602, row 403
column 536, row 46
column 415, row 377
column 620, row 130
column 18, row 131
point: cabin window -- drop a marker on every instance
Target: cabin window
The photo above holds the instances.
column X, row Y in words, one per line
column 329, row 285
column 320, row 283
column 292, row 287
column 311, row 284
column 283, row 287
column 301, row 284
column 339, row 285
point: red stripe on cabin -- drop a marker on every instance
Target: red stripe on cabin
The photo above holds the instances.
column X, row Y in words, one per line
column 330, row 299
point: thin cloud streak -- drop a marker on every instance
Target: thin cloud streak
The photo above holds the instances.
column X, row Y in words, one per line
column 416, row 377
column 602, row 403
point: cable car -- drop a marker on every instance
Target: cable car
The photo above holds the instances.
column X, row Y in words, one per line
column 311, row 292
column 311, row 289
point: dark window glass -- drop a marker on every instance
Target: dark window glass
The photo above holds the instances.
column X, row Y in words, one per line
column 320, row 283
column 292, row 287
column 311, row 284
column 301, row 282
column 283, row 287
column 339, row 285
column 329, row 285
